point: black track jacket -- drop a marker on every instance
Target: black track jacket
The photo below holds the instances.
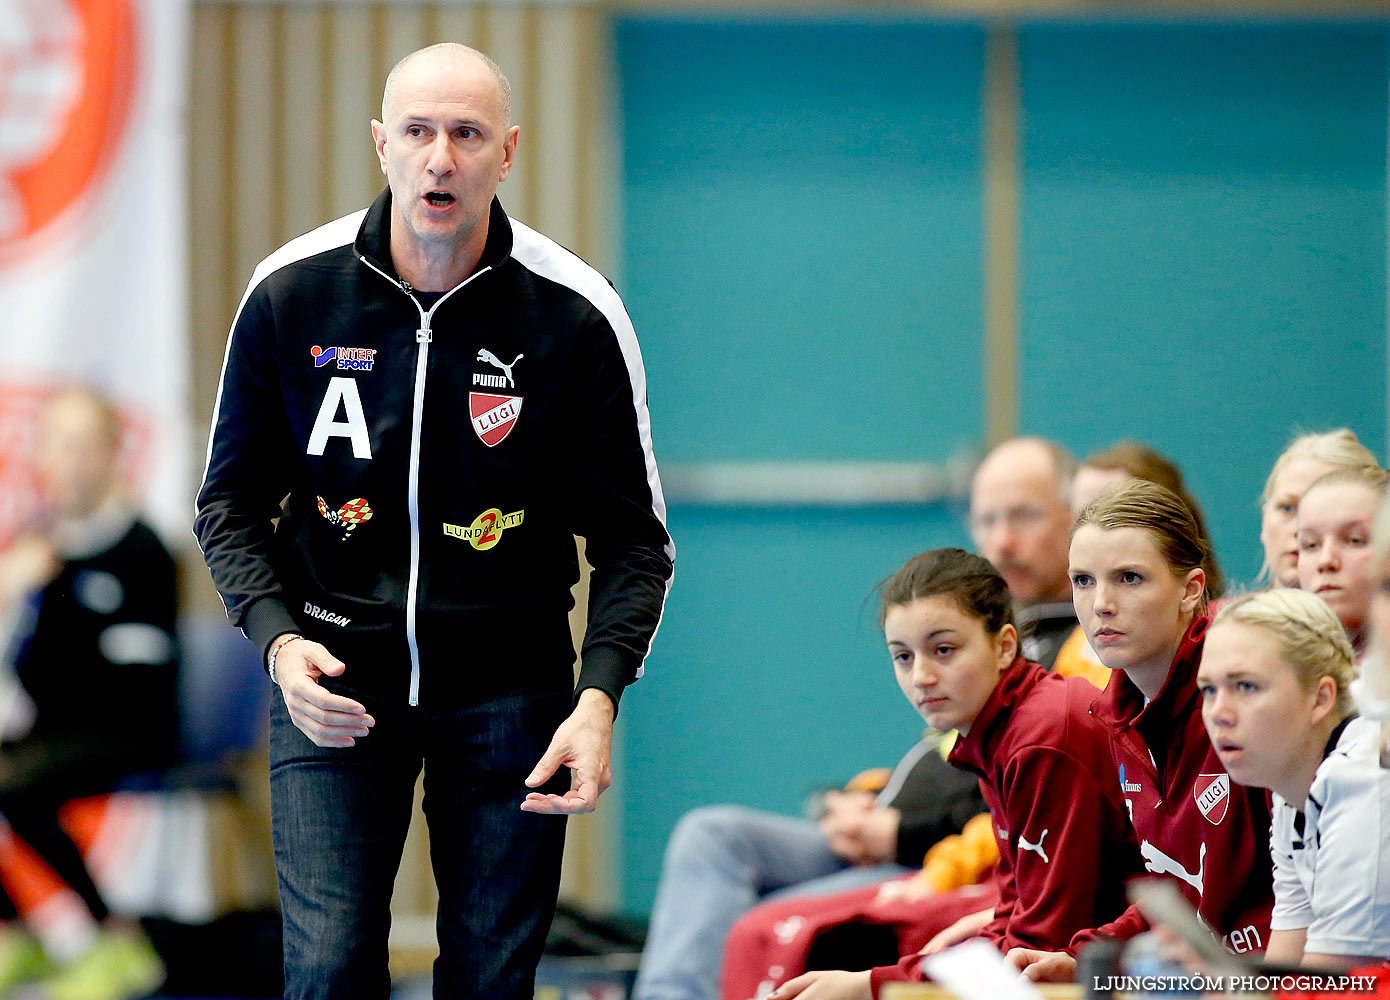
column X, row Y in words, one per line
column 436, row 462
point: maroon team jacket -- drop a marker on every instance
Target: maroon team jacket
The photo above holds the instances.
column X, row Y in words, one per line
column 1192, row 822
column 1065, row 844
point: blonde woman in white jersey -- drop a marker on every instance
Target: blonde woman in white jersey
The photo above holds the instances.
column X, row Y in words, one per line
column 1275, row 682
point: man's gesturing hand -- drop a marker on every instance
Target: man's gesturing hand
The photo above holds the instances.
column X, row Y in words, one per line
column 328, row 719
column 584, row 744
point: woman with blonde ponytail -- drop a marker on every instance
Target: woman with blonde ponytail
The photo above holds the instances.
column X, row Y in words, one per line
column 1275, row 681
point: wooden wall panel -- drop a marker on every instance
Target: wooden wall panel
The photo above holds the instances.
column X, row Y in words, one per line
column 461, row 22
column 1002, row 103
column 256, row 178
column 597, row 175
column 554, row 112
column 350, row 167
column 211, row 209
column 505, row 39
column 303, row 127
column 405, row 29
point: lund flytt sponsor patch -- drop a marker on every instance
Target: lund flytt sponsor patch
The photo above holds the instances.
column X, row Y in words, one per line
column 355, row 358
column 324, row 615
column 486, row 529
column 348, row 516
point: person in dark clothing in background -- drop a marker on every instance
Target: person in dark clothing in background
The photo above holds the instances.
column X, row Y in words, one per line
column 89, row 596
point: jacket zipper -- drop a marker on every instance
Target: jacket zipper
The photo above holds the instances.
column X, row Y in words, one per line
column 423, row 336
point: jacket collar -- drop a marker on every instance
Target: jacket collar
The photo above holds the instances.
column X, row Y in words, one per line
column 973, row 749
column 1122, row 703
column 373, row 243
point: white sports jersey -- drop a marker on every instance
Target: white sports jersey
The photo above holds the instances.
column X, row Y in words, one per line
column 1332, row 863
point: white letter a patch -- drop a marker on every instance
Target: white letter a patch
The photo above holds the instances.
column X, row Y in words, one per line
column 354, row 428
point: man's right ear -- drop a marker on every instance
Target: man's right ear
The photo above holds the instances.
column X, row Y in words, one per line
column 379, row 141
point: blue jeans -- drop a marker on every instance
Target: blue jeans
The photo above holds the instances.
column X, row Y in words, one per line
column 339, row 818
column 721, row 861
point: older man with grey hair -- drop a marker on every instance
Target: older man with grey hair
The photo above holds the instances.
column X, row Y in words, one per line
column 1020, row 520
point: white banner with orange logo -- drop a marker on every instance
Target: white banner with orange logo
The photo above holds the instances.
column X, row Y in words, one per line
column 93, row 267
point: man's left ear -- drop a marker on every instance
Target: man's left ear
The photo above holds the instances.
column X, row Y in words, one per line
column 1007, row 643
column 1193, row 590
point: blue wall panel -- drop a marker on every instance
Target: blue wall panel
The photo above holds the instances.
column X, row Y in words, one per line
column 802, row 236
column 1204, row 246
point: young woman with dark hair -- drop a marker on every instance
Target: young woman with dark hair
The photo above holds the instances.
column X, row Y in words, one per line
column 1028, row 734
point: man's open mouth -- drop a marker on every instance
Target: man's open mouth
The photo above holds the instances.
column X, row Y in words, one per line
column 439, row 198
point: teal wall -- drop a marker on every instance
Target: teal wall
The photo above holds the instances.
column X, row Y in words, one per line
column 1204, row 233
column 802, row 239
column 1203, row 259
